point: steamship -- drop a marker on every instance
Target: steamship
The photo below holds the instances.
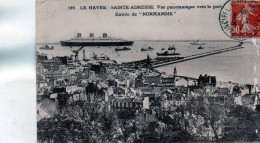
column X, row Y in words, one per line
column 169, row 55
column 96, row 41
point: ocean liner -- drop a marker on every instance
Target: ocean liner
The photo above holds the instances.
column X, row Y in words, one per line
column 96, row 41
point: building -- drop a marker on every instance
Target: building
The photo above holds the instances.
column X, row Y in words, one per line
column 123, row 103
column 248, row 101
column 207, row 80
column 139, row 81
column 120, row 90
column 152, row 79
column 52, row 65
column 168, row 81
column 91, row 91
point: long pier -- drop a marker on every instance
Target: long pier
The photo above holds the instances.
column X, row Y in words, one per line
column 163, row 62
column 196, row 56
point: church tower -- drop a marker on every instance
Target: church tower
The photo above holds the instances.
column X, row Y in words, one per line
column 174, row 76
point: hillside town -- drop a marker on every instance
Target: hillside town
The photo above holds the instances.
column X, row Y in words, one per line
column 99, row 100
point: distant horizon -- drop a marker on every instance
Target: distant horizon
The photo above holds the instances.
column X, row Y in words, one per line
column 161, row 41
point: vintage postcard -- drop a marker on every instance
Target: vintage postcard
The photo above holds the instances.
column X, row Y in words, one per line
column 147, row 71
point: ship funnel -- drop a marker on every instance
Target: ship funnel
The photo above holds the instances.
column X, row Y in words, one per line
column 78, row 35
column 104, row 34
column 91, row 34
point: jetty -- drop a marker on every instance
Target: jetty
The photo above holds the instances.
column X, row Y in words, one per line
column 155, row 63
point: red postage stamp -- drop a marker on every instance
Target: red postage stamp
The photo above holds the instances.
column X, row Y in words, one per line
column 245, row 19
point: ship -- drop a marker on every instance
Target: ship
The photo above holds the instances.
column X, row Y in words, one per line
column 171, row 55
column 100, row 59
column 197, row 43
column 147, row 49
column 172, row 48
column 200, row 47
column 95, row 57
column 240, row 44
column 122, row 49
column 167, row 53
column 96, row 41
column 46, row 47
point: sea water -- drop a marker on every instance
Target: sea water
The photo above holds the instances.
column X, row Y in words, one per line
column 236, row 66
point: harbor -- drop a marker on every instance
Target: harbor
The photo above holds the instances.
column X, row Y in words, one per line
column 159, row 62
column 184, row 48
column 196, row 56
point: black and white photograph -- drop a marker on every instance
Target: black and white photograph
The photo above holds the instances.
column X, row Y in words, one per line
column 147, row 71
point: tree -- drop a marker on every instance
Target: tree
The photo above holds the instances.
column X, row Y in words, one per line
column 241, row 124
column 212, row 113
column 80, row 122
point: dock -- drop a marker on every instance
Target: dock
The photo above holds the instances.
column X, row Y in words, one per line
column 196, row 56
column 159, row 63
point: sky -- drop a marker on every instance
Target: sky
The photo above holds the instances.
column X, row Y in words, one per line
column 54, row 22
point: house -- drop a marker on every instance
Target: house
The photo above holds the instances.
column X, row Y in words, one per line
column 257, row 102
column 248, row 101
column 133, row 92
column 102, row 85
column 238, row 100
column 53, row 75
column 71, row 70
column 71, row 89
column 152, row 79
column 92, row 76
column 181, row 82
column 59, row 89
column 223, row 91
column 146, row 103
column 207, row 80
column 98, row 68
column 219, row 100
column 52, row 65
column 120, row 103
column 139, row 81
column 220, row 96
column 182, row 89
column 84, row 74
column 245, row 90
column 236, row 91
column 120, row 90
column 79, row 96
column 209, row 89
column 111, row 82
column 170, row 101
column 138, row 102
column 168, row 81
column 91, row 90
